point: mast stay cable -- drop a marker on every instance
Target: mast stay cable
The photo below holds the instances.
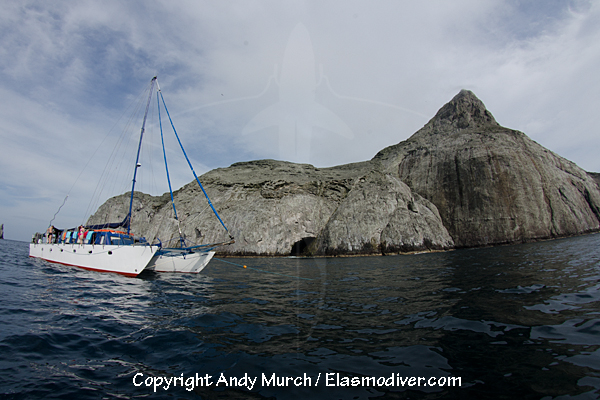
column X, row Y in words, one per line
column 181, row 238
column 190, row 164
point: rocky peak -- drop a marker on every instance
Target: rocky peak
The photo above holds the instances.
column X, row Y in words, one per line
column 465, row 110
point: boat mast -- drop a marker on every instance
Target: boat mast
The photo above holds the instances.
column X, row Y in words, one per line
column 137, row 160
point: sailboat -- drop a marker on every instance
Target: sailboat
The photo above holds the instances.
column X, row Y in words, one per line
column 112, row 247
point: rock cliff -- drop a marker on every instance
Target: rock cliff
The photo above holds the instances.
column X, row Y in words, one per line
column 280, row 208
column 492, row 184
column 462, row 180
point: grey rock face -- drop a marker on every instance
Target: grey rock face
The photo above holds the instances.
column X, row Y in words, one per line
column 462, row 180
column 271, row 206
column 595, row 176
column 382, row 215
column 267, row 206
column 491, row 184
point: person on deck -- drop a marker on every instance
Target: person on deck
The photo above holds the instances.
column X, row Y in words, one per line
column 81, row 234
column 50, row 234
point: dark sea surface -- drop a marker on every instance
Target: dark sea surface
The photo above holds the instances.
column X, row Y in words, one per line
column 510, row 322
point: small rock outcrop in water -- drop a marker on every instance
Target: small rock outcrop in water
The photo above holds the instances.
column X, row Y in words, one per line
column 460, row 181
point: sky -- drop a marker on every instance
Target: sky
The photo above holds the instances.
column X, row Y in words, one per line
column 320, row 82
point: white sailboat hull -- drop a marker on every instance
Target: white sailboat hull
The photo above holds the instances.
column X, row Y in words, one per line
column 120, row 251
column 125, row 260
column 174, row 260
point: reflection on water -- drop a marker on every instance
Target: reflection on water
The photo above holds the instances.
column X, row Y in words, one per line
column 511, row 322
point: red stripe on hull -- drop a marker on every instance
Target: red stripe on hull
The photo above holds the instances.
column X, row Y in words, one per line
column 88, row 268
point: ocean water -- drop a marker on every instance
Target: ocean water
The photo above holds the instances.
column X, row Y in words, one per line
column 510, row 322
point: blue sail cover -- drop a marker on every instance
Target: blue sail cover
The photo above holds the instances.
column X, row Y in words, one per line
column 112, row 225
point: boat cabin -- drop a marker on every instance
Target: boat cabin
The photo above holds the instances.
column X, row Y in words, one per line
column 101, row 237
column 109, row 236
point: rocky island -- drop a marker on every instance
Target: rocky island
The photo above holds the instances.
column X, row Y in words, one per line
column 460, row 181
